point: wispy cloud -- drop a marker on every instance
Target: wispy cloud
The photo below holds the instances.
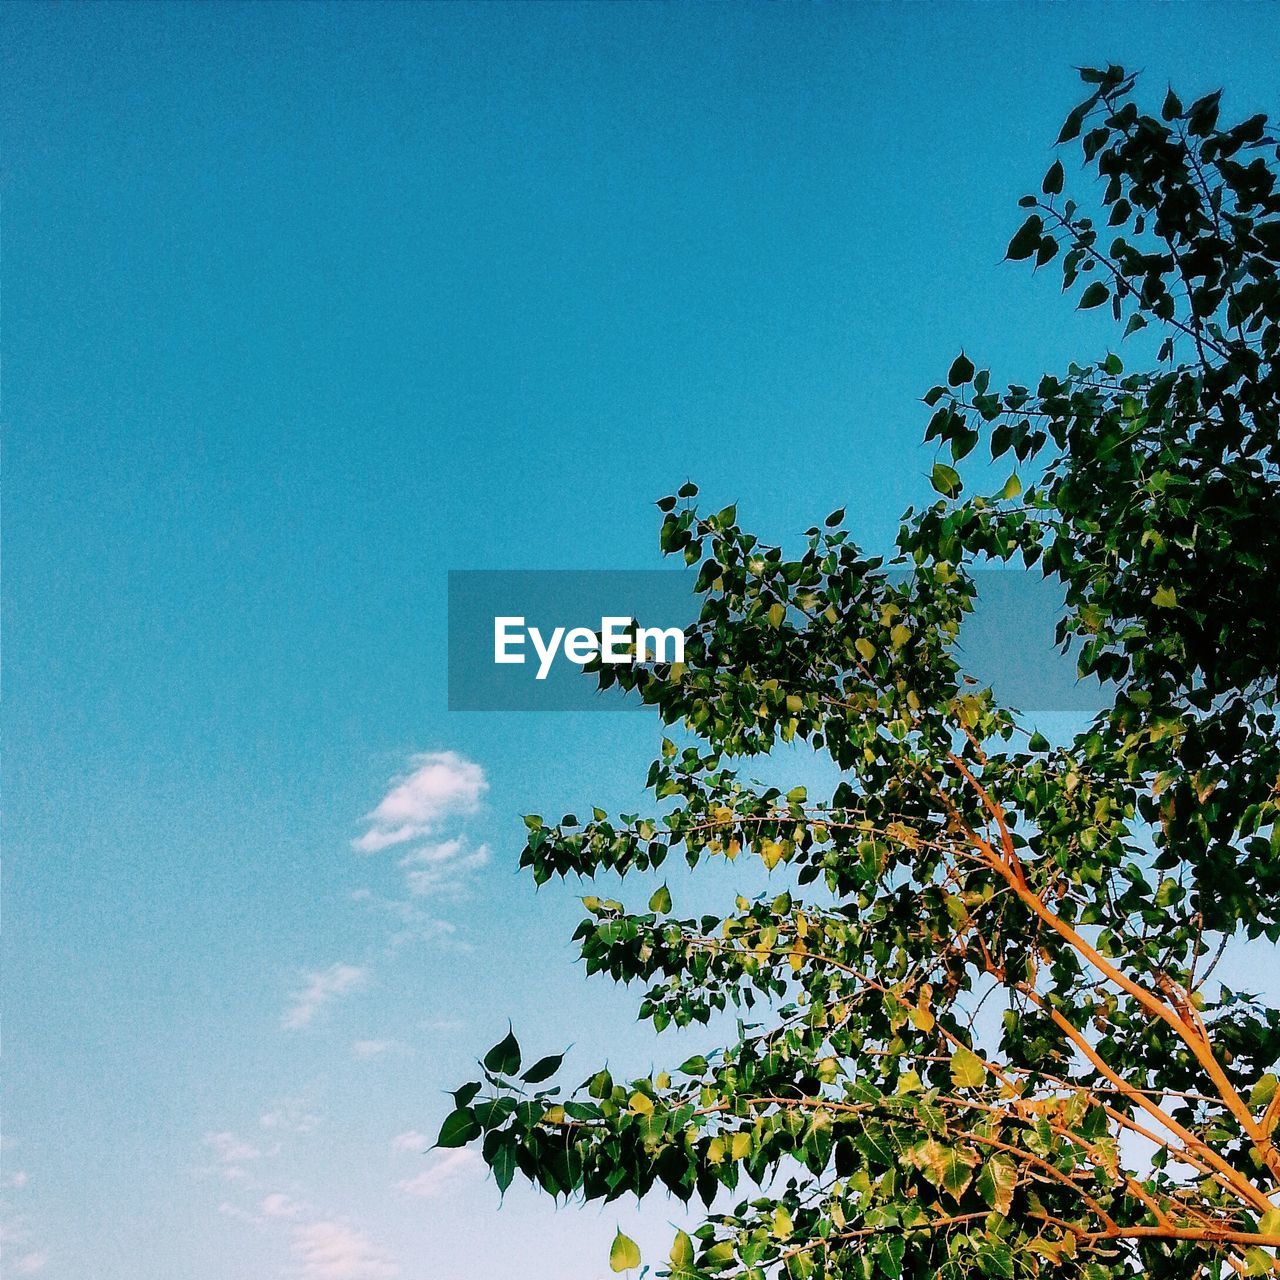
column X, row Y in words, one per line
column 442, row 1024
column 279, row 1205
column 228, row 1149
column 328, row 1250
column 367, row 1049
column 289, row 1115
column 415, row 924
column 324, row 1245
column 320, row 989
column 438, row 784
column 410, row 1140
column 240, row 1214
column 443, row 868
column 19, row 1252
column 231, row 1154
column 443, row 1175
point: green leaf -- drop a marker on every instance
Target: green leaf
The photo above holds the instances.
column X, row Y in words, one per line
column 661, row 900
column 543, row 1068
column 889, row 1254
column 801, row 1266
column 1202, row 115
column 945, row 479
column 1261, row 1094
column 967, row 1071
column 464, row 1096
column 1052, row 185
column 504, row 1058
column 1258, row 1262
column 503, row 1164
column 1025, row 242
column 1071, row 126
column 492, row 1113
column 625, row 1253
column 1094, row 296
column 682, row 1252
column 948, row 1168
column 996, row 1259
column 459, row 1128
column 957, row 1172
column 996, row 1182
column 961, row 371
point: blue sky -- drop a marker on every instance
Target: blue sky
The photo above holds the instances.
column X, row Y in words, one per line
column 306, row 305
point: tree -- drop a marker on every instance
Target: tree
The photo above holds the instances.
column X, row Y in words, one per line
column 1119, row 1117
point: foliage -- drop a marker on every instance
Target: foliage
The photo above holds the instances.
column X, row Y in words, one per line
column 1119, row 1117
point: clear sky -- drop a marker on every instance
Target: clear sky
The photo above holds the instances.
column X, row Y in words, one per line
column 305, row 305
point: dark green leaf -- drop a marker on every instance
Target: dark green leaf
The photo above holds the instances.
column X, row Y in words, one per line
column 961, row 371
column 543, row 1069
column 1024, row 243
column 504, row 1058
column 1094, row 296
column 459, row 1128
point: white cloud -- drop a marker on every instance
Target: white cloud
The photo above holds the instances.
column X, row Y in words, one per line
column 15, row 1234
column 442, row 1175
column 279, row 1205
column 333, row 1251
column 290, row 1115
column 442, row 1024
column 439, row 784
column 434, row 855
column 442, row 868
column 18, row 1178
column 231, row 1153
column 229, row 1149
column 321, row 988
column 366, row 1049
column 240, row 1214
column 416, row 925
column 410, row 1140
